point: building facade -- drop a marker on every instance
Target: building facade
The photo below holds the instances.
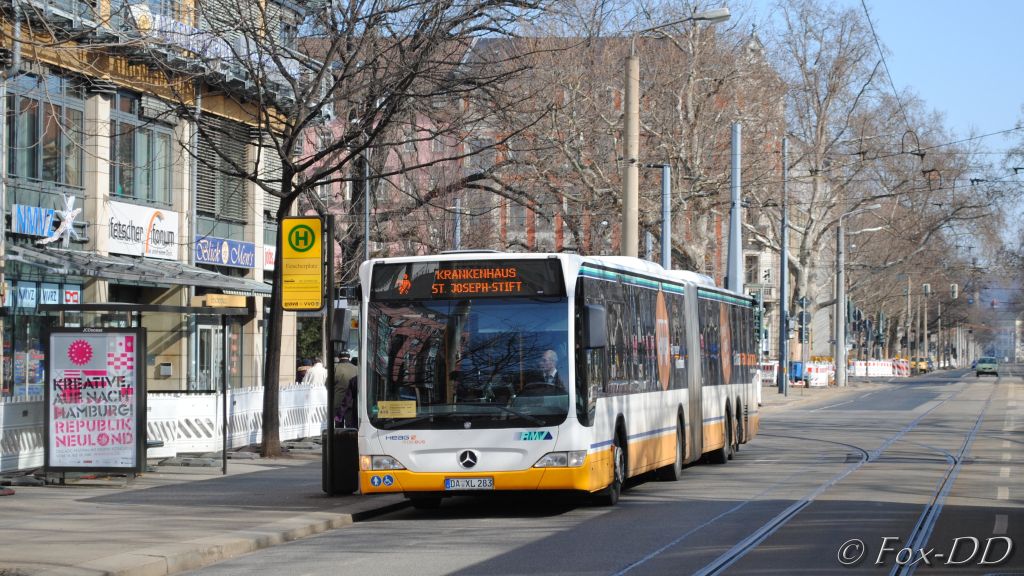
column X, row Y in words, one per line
column 110, row 219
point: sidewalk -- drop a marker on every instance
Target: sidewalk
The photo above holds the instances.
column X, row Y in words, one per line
column 770, row 395
column 185, row 516
column 173, row 518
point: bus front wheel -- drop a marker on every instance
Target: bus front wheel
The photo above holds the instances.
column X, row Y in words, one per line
column 611, row 494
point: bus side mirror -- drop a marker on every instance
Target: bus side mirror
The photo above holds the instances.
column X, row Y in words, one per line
column 341, row 326
column 595, row 326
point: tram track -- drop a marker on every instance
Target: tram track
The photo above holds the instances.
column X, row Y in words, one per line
column 920, row 533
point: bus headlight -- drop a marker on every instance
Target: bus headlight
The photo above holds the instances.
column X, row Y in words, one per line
column 573, row 459
column 379, row 462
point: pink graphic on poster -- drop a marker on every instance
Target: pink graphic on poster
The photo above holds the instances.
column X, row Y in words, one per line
column 80, row 352
column 93, row 411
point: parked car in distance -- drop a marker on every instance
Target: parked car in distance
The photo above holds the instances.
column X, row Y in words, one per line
column 919, row 364
column 987, row 365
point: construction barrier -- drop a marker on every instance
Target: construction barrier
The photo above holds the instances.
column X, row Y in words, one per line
column 896, row 367
column 873, row 368
column 901, row 367
column 818, row 374
column 769, row 373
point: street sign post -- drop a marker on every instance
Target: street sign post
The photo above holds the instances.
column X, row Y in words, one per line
column 302, row 263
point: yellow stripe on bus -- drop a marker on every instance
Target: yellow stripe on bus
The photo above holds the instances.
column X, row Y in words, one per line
column 651, row 453
column 644, row 455
column 594, row 475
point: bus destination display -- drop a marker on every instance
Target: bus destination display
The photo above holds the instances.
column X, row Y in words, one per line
column 467, row 279
column 504, row 281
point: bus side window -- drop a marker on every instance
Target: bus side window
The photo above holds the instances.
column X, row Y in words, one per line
column 591, row 372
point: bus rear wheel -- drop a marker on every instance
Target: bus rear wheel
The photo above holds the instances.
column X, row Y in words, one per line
column 674, row 471
column 724, row 454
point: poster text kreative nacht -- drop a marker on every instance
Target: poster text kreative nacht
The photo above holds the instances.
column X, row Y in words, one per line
column 102, row 395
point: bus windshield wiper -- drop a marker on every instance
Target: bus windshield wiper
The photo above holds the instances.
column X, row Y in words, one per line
column 457, row 414
column 523, row 415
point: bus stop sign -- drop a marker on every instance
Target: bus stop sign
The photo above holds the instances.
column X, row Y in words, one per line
column 302, row 264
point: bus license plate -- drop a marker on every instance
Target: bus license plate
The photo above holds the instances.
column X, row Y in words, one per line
column 469, row 483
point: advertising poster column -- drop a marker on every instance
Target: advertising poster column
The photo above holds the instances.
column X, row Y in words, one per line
column 95, row 400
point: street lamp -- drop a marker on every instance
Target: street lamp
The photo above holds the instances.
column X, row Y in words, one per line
column 631, row 173
column 666, row 213
column 840, row 319
column 783, row 374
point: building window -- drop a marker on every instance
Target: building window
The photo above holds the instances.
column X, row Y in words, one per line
column 140, row 152
column 517, row 217
column 287, row 34
column 221, row 192
column 45, row 130
column 169, row 8
column 753, row 270
column 481, row 154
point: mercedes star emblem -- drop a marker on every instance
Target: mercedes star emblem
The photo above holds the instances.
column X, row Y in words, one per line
column 467, row 459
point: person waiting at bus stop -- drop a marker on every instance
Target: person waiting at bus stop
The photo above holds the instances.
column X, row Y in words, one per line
column 345, row 373
column 316, row 374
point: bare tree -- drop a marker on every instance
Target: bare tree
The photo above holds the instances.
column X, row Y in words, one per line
column 695, row 81
column 337, row 106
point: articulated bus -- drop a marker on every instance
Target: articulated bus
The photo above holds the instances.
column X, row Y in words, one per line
column 518, row 372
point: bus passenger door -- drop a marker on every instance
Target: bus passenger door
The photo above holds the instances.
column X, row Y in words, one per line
column 696, row 411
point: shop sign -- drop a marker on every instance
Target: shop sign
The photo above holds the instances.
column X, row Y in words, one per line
column 32, row 220
column 49, row 294
column 25, row 294
column 28, row 294
column 269, row 254
column 225, row 252
column 49, row 223
column 95, row 399
column 72, row 294
column 143, row 231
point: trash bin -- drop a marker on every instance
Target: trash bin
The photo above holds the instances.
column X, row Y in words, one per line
column 796, row 370
column 345, row 462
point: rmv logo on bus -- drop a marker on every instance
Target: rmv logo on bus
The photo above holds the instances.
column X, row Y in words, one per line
column 542, row 435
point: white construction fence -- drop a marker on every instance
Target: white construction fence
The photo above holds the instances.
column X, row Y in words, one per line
column 184, row 422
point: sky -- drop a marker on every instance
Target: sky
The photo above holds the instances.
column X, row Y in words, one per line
column 963, row 58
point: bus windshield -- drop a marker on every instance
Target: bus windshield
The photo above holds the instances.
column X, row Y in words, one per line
column 467, row 363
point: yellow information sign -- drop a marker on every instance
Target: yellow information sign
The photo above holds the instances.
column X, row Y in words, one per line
column 396, row 409
column 302, row 264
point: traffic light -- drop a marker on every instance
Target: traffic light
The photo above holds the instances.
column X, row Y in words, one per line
column 954, row 291
column 804, row 332
column 758, row 323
